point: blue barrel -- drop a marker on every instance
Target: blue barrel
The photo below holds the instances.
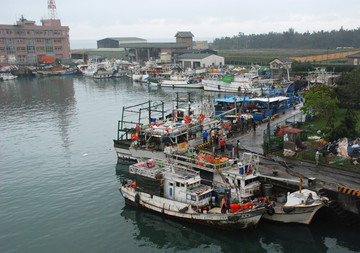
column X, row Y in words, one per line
column 246, row 168
column 241, row 171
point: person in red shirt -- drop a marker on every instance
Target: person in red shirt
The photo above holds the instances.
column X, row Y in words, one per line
column 222, row 145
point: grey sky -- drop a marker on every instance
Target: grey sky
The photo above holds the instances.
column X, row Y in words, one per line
column 160, row 19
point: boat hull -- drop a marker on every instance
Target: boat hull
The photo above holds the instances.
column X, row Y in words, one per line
column 300, row 214
column 212, row 85
column 180, row 84
column 229, row 221
column 122, row 149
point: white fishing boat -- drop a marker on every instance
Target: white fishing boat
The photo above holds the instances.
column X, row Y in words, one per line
column 176, row 134
column 231, row 84
column 175, row 130
column 187, row 84
column 96, row 69
column 176, row 191
column 296, row 207
column 7, row 76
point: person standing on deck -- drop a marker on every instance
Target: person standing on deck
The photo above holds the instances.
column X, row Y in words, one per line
column 238, row 149
column 222, row 146
column 205, row 135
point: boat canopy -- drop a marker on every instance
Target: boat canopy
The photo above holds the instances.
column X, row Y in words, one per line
column 231, row 99
column 271, row 100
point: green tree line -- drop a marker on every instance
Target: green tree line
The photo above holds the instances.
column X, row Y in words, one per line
column 292, row 39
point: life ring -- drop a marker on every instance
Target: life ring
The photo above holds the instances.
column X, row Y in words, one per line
column 250, row 171
column 270, row 211
column 231, row 106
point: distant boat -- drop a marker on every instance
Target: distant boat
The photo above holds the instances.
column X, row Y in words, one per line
column 7, row 76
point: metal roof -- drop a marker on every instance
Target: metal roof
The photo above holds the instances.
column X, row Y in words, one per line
column 125, row 38
column 231, row 99
column 193, row 56
column 184, row 34
column 107, row 52
column 154, row 45
column 283, row 59
column 357, row 55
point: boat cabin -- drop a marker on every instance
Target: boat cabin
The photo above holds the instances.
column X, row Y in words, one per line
column 261, row 108
column 226, row 106
column 184, row 185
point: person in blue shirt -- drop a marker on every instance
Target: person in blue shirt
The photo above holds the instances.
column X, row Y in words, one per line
column 205, row 135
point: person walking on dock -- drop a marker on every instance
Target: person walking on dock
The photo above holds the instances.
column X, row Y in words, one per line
column 317, row 156
column 238, row 149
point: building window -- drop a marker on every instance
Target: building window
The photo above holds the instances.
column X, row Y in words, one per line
column 2, row 49
column 49, row 46
column 21, row 58
column 40, row 49
column 1, row 41
column 10, row 49
column 32, row 58
column 57, row 40
column 58, row 48
column 20, row 49
column 2, row 58
column 31, row 49
column 39, row 41
column 19, row 40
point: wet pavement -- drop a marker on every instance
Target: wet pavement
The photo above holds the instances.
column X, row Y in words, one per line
column 326, row 176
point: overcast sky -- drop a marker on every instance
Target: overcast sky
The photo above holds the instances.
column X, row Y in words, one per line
column 161, row 19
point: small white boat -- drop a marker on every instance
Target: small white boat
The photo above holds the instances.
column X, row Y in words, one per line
column 296, row 207
column 176, row 191
column 7, row 76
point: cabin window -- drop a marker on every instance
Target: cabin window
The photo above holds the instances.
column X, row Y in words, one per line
column 191, row 197
column 177, row 184
column 171, row 184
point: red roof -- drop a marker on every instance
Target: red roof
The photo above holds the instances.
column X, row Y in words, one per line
column 292, row 130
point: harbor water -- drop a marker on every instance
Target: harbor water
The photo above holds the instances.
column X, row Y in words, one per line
column 59, row 179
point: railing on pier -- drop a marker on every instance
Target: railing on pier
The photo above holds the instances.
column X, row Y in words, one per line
column 272, row 141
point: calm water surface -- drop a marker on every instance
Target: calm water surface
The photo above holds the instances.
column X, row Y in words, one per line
column 59, row 180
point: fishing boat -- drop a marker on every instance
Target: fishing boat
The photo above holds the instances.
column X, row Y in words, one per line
column 169, row 80
column 262, row 107
column 56, row 71
column 233, row 84
column 296, row 207
column 177, row 192
column 177, row 129
column 98, row 69
column 7, row 76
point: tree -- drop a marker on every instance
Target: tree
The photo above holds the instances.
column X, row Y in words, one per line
column 347, row 127
column 348, row 89
column 321, row 100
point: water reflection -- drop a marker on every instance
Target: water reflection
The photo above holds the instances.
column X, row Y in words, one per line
column 39, row 101
column 168, row 234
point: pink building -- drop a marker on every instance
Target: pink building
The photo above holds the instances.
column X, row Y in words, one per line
column 25, row 42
